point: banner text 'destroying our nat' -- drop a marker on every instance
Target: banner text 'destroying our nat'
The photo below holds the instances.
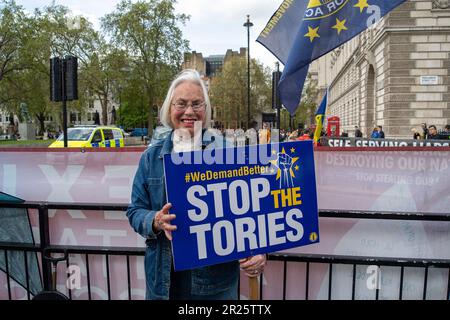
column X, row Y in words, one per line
column 381, row 143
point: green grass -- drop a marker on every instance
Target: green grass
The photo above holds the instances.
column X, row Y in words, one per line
column 25, row 143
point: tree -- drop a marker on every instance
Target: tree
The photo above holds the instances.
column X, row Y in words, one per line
column 132, row 113
column 228, row 91
column 14, row 32
column 149, row 32
column 23, row 76
column 63, row 38
column 40, row 36
column 307, row 107
column 104, row 73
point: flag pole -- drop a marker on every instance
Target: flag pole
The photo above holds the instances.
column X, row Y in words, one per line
column 253, row 284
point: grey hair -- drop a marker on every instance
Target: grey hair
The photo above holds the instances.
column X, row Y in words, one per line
column 187, row 75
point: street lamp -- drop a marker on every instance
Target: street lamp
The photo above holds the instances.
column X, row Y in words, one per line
column 248, row 24
column 275, row 94
column 142, row 119
column 120, row 106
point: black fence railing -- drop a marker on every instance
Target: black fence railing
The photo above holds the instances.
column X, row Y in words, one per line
column 45, row 250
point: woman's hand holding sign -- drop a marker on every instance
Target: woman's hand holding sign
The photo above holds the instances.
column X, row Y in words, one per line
column 162, row 220
column 253, row 266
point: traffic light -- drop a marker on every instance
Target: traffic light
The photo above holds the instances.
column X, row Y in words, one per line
column 56, row 79
column 64, row 75
column 276, row 102
column 71, row 78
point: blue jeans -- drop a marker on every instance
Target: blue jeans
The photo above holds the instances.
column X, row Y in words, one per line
column 180, row 289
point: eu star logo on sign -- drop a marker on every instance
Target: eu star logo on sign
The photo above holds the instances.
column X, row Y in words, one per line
column 301, row 31
column 259, row 199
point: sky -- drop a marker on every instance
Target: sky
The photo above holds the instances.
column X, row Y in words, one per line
column 214, row 26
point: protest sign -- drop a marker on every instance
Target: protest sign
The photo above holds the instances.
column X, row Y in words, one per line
column 260, row 199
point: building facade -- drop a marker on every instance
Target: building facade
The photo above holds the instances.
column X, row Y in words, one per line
column 211, row 65
column 394, row 74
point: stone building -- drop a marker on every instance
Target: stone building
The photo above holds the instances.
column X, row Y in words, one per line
column 394, row 74
column 194, row 60
column 211, row 65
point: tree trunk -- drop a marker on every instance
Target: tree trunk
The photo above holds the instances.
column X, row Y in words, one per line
column 151, row 119
column 41, row 119
column 104, row 103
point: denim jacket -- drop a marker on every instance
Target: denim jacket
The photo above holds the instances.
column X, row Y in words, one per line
column 147, row 198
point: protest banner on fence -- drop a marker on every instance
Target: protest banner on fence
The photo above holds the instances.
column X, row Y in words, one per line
column 381, row 143
column 263, row 200
column 417, row 180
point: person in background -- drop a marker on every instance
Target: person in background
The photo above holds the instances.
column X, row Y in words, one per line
column 375, row 134
column 186, row 103
column 416, row 134
column 432, row 132
column 113, row 115
column 445, row 134
column 381, row 132
column 358, row 132
column 282, row 135
column 293, row 135
column 424, row 130
column 96, row 118
column 264, row 134
column 305, row 135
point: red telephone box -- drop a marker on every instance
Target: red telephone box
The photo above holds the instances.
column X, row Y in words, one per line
column 333, row 126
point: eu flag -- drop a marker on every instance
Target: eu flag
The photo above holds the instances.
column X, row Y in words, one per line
column 301, row 31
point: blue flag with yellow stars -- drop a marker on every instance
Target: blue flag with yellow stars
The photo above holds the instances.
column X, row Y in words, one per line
column 301, row 31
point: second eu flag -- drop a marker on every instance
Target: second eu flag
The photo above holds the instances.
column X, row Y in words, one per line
column 301, row 31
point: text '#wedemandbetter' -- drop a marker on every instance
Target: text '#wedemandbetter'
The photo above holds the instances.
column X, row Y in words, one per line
column 226, row 174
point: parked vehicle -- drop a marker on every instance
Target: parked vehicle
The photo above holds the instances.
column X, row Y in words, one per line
column 91, row 137
column 138, row 132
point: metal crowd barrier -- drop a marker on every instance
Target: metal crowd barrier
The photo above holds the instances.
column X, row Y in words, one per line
column 45, row 247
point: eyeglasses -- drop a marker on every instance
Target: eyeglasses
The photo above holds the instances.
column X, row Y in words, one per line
column 183, row 106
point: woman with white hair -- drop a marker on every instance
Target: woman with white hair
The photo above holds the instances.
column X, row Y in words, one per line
column 416, row 134
column 186, row 110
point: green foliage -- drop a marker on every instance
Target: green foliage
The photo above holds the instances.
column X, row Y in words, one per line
column 308, row 106
column 38, row 37
column 149, row 32
column 143, row 55
column 133, row 112
column 228, row 91
column 26, row 143
column 14, row 45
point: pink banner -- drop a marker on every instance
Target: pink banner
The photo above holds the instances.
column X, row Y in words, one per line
column 350, row 179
